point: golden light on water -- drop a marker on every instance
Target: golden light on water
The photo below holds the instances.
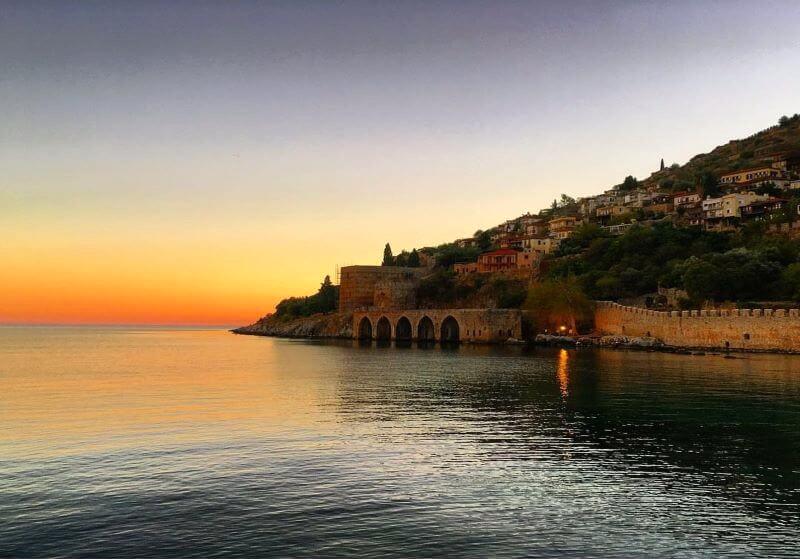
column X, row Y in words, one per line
column 562, row 372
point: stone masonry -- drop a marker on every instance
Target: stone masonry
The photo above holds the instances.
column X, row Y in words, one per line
column 383, row 286
column 462, row 325
column 737, row 329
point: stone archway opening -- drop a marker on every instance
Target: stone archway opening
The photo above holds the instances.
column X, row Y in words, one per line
column 365, row 329
column 425, row 330
column 450, row 330
column 384, row 329
column 403, row 332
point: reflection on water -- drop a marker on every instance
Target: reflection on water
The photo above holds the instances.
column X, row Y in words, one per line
column 163, row 442
column 563, row 372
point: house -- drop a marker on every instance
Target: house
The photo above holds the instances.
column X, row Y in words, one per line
column 465, row 268
column 693, row 214
column 723, row 213
column 497, row 236
column 540, row 244
column 752, row 174
column 466, row 242
column 562, row 227
column 761, row 210
column 636, row 199
column 685, row 199
column 527, row 220
column 659, row 204
column 528, row 259
column 498, row 260
column 587, row 205
column 606, row 213
column 536, row 227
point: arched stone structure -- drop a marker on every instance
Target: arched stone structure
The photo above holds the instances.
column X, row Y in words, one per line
column 449, row 332
column 426, row 331
column 473, row 325
column 383, row 330
column 364, row 331
column 403, row 330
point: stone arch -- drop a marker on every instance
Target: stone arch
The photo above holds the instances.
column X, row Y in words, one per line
column 383, row 330
column 365, row 329
column 403, row 331
column 450, row 330
column 425, row 330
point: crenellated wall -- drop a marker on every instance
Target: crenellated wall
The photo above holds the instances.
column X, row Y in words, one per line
column 740, row 329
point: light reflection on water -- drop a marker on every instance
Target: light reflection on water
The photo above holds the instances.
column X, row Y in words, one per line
column 180, row 442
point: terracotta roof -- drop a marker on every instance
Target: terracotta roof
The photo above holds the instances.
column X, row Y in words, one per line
column 501, row 252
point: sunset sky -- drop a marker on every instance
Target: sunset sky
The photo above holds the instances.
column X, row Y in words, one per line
column 195, row 162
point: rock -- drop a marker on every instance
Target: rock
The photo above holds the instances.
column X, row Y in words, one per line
column 322, row 325
column 631, row 342
column 550, row 339
column 645, row 342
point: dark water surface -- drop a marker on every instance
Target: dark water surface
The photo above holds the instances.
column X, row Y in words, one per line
column 136, row 442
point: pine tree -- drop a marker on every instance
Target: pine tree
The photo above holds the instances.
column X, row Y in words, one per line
column 662, row 164
column 388, row 259
column 413, row 258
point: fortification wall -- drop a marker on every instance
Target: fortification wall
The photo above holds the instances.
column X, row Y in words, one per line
column 739, row 329
column 395, row 286
column 474, row 325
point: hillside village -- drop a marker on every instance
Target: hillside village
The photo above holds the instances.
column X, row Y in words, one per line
column 758, row 186
column 718, row 234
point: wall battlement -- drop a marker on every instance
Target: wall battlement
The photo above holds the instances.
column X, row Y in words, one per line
column 739, row 329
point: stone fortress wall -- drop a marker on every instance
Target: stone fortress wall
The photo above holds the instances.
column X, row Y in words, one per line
column 382, row 300
column 448, row 325
column 392, row 286
column 737, row 329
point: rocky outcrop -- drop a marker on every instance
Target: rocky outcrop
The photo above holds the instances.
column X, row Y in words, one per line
column 323, row 325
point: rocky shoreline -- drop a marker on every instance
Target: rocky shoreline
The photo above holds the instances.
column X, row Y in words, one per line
column 644, row 343
column 339, row 326
column 323, row 325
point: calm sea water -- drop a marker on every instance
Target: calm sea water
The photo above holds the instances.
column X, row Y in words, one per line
column 137, row 442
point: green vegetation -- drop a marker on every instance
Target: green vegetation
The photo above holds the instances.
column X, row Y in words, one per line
column 755, row 150
column 388, row 259
column 444, row 288
column 747, row 266
column 559, row 305
column 324, row 301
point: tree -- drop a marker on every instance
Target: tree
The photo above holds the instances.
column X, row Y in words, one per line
column 483, row 239
column 566, row 201
column 783, row 121
column 707, row 184
column 413, row 259
column 559, row 303
column 662, row 165
column 630, row 183
column 327, row 296
column 388, row 259
column 791, row 281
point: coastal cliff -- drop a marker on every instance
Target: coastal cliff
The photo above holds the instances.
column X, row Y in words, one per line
column 321, row 325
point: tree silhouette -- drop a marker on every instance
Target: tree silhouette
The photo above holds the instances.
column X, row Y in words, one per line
column 388, row 259
column 413, row 258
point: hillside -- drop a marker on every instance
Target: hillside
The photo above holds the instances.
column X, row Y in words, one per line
column 755, row 150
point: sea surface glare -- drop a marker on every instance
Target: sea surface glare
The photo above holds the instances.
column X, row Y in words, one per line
column 163, row 442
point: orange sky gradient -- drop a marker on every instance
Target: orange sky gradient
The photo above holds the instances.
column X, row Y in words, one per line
column 195, row 166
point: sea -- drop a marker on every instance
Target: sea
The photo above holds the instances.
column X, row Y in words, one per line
column 167, row 442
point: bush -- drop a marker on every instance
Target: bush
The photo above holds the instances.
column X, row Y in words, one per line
column 559, row 303
column 324, row 301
